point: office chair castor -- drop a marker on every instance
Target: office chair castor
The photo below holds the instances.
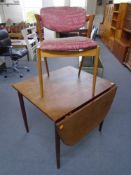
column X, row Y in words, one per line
column 5, row 76
column 21, row 75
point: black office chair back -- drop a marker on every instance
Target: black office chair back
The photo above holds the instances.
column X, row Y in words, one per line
column 4, row 41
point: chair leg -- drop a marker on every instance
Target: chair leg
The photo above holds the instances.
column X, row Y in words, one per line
column 40, row 71
column 80, row 67
column 100, row 126
column 46, row 65
column 102, row 72
column 28, row 57
column 57, row 144
column 16, row 68
column 95, row 71
column 23, row 111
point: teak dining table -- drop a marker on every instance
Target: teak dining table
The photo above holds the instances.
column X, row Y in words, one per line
column 69, row 103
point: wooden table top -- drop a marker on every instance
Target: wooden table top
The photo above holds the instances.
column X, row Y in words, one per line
column 64, row 92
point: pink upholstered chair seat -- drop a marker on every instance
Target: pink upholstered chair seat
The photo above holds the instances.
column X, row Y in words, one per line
column 68, row 44
column 63, row 19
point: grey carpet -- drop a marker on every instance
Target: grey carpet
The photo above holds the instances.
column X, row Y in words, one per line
column 34, row 153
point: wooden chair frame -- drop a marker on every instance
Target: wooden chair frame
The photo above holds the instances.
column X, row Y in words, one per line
column 49, row 54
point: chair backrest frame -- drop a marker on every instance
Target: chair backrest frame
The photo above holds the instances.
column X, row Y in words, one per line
column 89, row 19
column 39, row 27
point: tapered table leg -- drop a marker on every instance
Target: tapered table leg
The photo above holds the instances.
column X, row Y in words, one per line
column 28, row 57
column 100, row 126
column 80, row 67
column 57, row 144
column 46, row 65
column 23, row 111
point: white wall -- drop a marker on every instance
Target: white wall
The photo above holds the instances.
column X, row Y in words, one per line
column 91, row 6
column 47, row 3
column 119, row 1
column 1, row 14
column 99, row 13
column 13, row 12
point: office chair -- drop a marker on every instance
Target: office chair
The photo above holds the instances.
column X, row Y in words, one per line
column 6, row 49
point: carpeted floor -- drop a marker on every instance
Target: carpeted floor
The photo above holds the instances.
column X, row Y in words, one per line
column 108, row 153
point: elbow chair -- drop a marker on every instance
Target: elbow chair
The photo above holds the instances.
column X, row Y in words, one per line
column 64, row 19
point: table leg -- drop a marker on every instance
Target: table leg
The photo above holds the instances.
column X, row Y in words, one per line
column 100, row 126
column 46, row 65
column 57, row 144
column 28, row 57
column 23, row 111
column 95, row 71
column 80, row 67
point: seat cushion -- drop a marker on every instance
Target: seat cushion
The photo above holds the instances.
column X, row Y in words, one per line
column 18, row 53
column 68, row 44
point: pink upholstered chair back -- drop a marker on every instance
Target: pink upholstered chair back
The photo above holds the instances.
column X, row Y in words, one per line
column 63, row 19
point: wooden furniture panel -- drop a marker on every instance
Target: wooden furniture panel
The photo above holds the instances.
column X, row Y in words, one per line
column 110, row 43
column 120, row 50
column 128, row 59
column 105, row 26
column 119, row 37
column 127, row 24
column 75, row 126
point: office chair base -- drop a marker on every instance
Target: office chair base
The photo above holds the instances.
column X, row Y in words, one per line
column 5, row 76
column 16, row 68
